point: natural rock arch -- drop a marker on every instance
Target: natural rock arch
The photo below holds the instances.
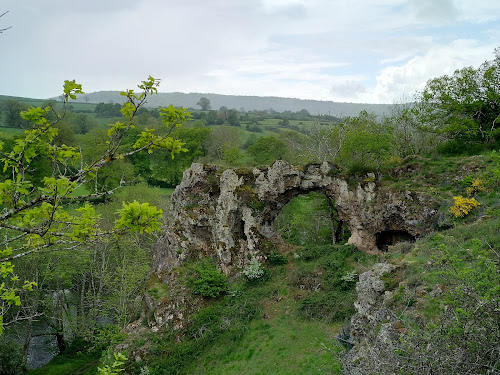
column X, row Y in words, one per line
column 229, row 214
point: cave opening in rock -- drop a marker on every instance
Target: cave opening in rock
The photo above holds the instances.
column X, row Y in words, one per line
column 391, row 237
column 310, row 219
column 242, row 233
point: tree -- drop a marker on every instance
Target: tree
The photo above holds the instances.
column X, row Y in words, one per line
column 232, row 118
column 464, row 106
column 108, row 110
column 409, row 138
column 222, row 115
column 323, row 142
column 37, row 218
column 161, row 170
column 12, row 109
column 204, row 103
column 266, row 150
column 211, row 118
column 367, row 142
column 81, row 123
column 220, row 139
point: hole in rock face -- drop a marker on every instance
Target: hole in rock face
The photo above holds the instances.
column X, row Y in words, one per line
column 308, row 219
column 391, row 237
column 242, row 230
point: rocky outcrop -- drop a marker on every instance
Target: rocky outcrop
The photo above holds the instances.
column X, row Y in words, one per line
column 229, row 214
column 372, row 332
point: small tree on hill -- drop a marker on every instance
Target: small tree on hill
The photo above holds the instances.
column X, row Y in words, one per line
column 367, row 142
column 204, row 103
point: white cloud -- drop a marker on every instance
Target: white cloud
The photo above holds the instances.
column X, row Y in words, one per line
column 323, row 49
column 395, row 81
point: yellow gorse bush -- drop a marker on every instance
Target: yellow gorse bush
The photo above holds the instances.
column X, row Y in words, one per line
column 462, row 206
column 476, row 186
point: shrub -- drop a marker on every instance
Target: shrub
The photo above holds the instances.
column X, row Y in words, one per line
column 107, row 335
column 463, row 206
column 312, row 252
column 276, row 259
column 11, row 357
column 210, row 282
column 254, row 270
column 115, row 366
column 458, row 147
column 476, row 186
column 359, row 168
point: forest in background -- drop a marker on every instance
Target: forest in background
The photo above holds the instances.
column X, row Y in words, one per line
column 246, row 103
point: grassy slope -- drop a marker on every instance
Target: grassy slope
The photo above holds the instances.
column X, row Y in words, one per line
column 278, row 336
column 268, row 345
column 281, row 340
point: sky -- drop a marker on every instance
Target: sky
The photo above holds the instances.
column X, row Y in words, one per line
column 363, row 51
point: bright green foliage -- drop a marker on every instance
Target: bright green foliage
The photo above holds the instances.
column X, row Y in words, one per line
column 160, row 170
column 139, row 217
column 232, row 155
column 34, row 208
column 171, row 117
column 85, row 224
column 70, row 89
column 116, row 367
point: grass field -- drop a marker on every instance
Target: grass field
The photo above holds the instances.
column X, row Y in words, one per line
column 10, row 132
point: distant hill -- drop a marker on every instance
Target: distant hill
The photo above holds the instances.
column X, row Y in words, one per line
column 247, row 103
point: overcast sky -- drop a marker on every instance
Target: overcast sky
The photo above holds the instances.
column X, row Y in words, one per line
column 371, row 51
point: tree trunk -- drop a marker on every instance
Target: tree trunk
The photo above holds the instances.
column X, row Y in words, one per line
column 331, row 209
column 27, row 339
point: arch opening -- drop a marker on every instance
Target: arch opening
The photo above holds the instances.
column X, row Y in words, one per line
column 310, row 219
column 388, row 238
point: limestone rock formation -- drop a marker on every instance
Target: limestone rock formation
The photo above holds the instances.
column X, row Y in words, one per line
column 229, row 214
column 372, row 331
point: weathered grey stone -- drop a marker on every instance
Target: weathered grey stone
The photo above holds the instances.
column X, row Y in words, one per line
column 372, row 330
column 228, row 214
